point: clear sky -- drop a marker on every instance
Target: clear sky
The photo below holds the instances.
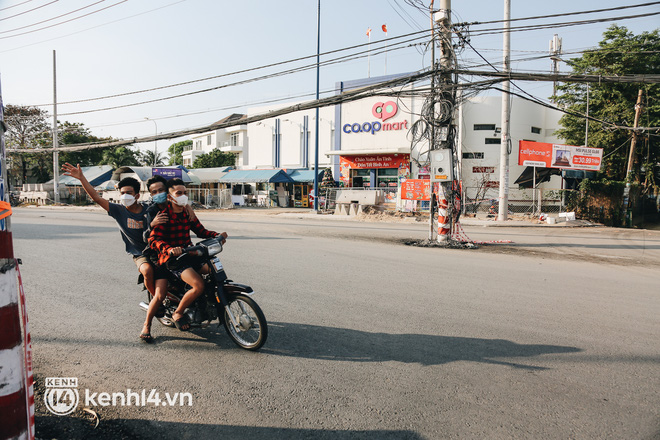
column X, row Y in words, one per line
column 134, row 45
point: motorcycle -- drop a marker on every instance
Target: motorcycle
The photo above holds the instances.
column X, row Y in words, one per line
column 222, row 299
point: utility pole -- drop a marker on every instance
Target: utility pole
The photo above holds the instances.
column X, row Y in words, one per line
column 555, row 51
column 316, row 129
column 431, row 146
column 503, row 198
column 633, row 142
column 56, row 159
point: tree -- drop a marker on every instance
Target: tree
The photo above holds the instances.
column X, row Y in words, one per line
column 619, row 53
column 120, row 157
column 215, row 158
column 76, row 133
column 147, row 159
column 176, row 151
column 27, row 129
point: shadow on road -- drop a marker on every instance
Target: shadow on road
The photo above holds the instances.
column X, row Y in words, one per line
column 329, row 343
column 76, row 426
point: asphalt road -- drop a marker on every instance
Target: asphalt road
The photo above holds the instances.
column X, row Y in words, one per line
column 555, row 336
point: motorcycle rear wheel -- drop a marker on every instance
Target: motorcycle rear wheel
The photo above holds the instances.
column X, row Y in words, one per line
column 167, row 322
column 252, row 328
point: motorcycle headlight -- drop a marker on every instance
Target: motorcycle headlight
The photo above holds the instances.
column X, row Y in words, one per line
column 214, row 248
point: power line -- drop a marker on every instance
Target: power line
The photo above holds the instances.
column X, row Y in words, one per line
column 252, row 69
column 90, row 28
column 53, row 18
column 347, row 96
column 559, row 25
column 593, row 11
column 246, row 81
column 25, row 12
column 17, row 4
column 65, row 21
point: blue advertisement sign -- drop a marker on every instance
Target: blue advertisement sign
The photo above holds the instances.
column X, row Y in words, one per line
column 167, row 173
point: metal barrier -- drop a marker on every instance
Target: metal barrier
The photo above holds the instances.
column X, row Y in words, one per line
column 214, row 198
column 521, row 201
column 328, row 199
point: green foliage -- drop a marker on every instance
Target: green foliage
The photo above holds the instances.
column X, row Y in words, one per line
column 120, row 157
column 76, row 133
column 176, row 150
column 215, row 158
column 147, row 159
column 619, row 53
column 27, row 129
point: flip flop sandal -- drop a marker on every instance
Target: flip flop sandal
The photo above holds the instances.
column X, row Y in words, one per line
column 179, row 323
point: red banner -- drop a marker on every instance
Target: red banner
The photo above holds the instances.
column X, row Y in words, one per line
column 374, row 161
column 544, row 155
column 416, row 189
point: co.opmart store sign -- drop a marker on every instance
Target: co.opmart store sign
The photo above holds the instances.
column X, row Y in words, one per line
column 380, row 110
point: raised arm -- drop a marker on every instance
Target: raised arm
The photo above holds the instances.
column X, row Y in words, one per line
column 76, row 173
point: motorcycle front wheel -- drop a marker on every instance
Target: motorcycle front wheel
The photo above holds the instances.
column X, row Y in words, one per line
column 251, row 330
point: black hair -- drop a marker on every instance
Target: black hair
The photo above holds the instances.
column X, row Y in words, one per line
column 174, row 182
column 155, row 179
column 129, row 181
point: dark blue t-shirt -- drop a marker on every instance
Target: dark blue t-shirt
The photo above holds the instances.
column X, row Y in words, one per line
column 131, row 227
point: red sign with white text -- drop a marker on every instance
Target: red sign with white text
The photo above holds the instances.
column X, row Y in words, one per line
column 570, row 157
column 374, row 161
column 416, row 189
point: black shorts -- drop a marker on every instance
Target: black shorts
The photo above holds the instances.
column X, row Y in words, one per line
column 159, row 272
column 177, row 267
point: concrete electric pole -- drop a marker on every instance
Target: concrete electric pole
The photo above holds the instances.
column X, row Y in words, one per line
column 502, row 214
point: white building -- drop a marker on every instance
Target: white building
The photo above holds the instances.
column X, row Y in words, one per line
column 368, row 143
column 228, row 140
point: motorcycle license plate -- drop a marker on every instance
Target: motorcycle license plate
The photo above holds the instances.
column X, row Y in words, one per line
column 217, row 264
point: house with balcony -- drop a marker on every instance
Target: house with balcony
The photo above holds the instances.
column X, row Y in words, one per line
column 228, row 140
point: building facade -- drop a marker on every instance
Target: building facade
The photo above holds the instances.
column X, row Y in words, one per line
column 228, row 140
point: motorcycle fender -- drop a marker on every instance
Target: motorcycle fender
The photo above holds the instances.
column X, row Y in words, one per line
column 233, row 288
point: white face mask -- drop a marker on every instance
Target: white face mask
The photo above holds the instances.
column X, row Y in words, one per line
column 127, row 200
column 181, row 200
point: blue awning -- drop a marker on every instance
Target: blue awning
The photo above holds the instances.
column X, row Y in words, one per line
column 256, row 176
column 304, row 176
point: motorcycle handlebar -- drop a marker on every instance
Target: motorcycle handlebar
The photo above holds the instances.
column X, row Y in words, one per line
column 191, row 250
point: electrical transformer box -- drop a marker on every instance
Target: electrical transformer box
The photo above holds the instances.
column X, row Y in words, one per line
column 441, row 165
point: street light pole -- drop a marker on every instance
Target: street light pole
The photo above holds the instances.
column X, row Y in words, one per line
column 155, row 141
column 316, row 137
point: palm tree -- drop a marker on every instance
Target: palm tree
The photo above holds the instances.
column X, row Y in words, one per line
column 119, row 157
column 147, row 159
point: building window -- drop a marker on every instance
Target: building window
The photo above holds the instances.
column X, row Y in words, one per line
column 198, row 145
column 536, row 130
column 208, row 139
column 485, row 170
column 490, row 141
column 233, row 139
column 488, row 127
column 473, row 155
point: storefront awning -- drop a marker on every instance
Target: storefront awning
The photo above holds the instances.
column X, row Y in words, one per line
column 256, row 176
column 304, row 176
column 403, row 150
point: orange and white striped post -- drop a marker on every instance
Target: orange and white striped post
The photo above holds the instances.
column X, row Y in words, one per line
column 443, row 216
column 16, row 380
column 16, row 390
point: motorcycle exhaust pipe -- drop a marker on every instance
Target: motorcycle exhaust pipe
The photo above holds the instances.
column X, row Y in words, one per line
column 144, row 306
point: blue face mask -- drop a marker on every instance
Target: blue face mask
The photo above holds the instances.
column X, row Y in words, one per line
column 159, row 198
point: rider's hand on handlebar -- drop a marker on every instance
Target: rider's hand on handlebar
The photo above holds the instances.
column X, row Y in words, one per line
column 176, row 251
column 224, row 237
